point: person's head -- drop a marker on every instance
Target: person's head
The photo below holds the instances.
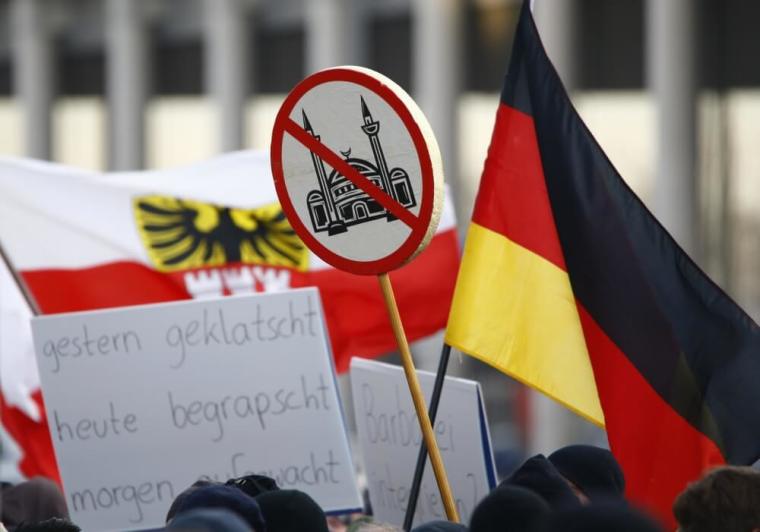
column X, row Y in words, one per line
column 601, row 517
column 291, row 511
column 508, row 509
column 726, row 499
column 253, row 485
column 180, row 499
column 222, row 497
column 592, row 472
column 540, row 476
column 37, row 499
column 208, row 520
column 54, row 524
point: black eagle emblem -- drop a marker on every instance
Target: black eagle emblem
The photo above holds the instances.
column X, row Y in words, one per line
column 181, row 234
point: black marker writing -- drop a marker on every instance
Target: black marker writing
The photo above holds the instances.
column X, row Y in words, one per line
column 84, row 344
column 215, row 328
column 261, row 406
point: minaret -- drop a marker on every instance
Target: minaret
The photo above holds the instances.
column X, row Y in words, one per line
column 335, row 226
column 371, row 128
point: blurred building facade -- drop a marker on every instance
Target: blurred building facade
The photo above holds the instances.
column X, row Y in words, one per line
column 670, row 88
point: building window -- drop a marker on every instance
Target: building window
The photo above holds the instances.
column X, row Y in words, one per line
column 390, row 45
column 610, row 39
column 279, row 62
column 178, row 67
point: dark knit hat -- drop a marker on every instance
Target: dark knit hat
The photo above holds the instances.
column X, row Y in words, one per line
column 593, row 469
column 509, row 508
column 32, row 501
column 54, row 524
column 291, row 511
column 440, row 526
column 208, row 520
column 602, row 517
column 180, row 499
column 225, row 497
column 253, row 485
column 540, row 476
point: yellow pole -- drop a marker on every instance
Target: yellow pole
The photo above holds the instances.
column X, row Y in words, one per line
column 419, row 400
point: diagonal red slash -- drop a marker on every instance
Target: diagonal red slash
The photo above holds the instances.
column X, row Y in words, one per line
column 350, row 173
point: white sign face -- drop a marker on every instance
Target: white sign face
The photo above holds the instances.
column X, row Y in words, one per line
column 143, row 401
column 389, row 435
column 372, row 139
column 357, row 169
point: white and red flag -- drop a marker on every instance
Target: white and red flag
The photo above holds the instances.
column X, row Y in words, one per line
column 86, row 240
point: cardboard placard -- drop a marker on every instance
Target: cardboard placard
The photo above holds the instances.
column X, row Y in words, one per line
column 143, row 401
column 389, row 436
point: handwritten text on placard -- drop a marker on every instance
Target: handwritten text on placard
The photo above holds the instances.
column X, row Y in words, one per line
column 389, row 435
column 143, row 401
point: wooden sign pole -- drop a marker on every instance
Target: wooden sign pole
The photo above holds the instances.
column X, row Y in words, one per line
column 419, row 400
column 414, row 197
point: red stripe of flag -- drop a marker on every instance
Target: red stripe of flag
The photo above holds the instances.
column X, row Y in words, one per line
column 512, row 198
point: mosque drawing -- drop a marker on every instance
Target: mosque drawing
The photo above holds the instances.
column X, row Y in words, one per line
column 338, row 204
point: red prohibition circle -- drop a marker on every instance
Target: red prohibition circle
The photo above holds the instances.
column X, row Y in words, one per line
column 419, row 228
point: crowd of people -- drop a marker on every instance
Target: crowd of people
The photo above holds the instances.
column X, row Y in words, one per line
column 577, row 488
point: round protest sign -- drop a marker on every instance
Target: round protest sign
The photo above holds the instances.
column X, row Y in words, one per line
column 357, row 170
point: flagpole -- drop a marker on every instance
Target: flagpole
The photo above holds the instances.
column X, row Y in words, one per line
column 419, row 469
column 418, row 399
column 20, row 283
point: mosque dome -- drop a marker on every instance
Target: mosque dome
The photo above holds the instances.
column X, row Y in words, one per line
column 340, row 185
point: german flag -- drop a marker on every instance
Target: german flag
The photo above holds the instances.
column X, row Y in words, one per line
column 569, row 284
